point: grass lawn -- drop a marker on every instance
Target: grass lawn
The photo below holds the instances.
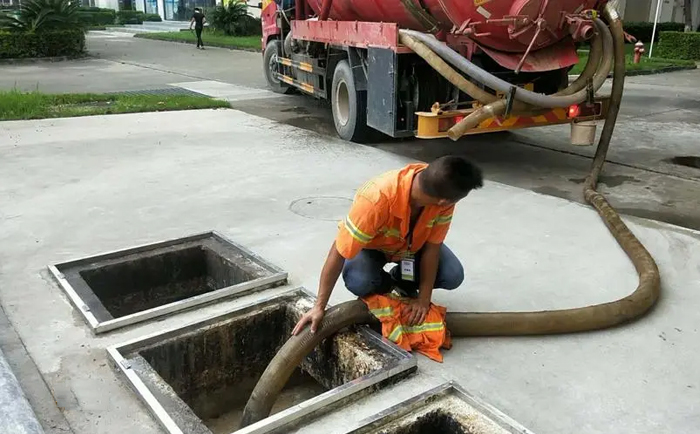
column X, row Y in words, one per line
column 210, row 38
column 645, row 63
column 15, row 105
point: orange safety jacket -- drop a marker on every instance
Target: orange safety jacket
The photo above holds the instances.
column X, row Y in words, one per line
column 379, row 217
column 426, row 338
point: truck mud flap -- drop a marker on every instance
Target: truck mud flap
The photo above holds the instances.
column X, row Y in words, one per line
column 382, row 92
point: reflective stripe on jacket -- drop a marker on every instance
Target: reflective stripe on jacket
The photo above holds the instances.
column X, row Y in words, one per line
column 426, row 338
column 380, row 215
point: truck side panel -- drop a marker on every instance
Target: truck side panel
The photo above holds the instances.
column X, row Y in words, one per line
column 382, row 93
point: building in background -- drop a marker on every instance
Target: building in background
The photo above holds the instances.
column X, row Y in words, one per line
column 180, row 10
column 645, row 10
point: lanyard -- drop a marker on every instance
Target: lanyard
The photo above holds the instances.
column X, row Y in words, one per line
column 411, row 226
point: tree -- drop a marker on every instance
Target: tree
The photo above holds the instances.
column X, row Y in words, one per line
column 38, row 15
column 688, row 13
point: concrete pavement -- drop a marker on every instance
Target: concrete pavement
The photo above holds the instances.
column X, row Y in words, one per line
column 16, row 415
column 120, row 62
column 120, row 180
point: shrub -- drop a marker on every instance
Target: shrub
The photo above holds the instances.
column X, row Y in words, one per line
column 233, row 20
column 152, row 17
column 643, row 31
column 47, row 43
column 94, row 9
column 679, row 45
column 97, row 18
column 130, row 17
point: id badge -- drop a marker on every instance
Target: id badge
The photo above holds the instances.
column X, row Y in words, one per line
column 407, row 272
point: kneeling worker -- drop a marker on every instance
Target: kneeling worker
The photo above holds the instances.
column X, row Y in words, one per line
column 402, row 217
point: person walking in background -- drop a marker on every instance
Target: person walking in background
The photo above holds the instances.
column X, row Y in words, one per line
column 198, row 20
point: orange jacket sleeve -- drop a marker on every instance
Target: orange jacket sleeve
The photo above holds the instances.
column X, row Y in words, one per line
column 360, row 226
column 441, row 225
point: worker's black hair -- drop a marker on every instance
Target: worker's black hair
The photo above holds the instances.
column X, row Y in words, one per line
column 450, row 177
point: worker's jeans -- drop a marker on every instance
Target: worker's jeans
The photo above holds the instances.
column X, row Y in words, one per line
column 364, row 274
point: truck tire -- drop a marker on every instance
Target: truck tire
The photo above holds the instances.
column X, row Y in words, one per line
column 349, row 105
column 272, row 50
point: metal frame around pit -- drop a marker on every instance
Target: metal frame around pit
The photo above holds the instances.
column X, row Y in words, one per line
column 278, row 276
column 450, row 388
column 310, row 408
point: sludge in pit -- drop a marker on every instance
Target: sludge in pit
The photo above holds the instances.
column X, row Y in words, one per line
column 202, row 375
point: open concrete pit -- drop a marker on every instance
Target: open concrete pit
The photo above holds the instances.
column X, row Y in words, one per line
column 197, row 379
column 447, row 409
column 121, row 288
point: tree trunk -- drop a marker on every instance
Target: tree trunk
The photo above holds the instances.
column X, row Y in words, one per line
column 688, row 12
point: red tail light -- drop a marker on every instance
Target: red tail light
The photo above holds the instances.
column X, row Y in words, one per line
column 574, row 111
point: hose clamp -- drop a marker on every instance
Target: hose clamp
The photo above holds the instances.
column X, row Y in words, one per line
column 591, row 14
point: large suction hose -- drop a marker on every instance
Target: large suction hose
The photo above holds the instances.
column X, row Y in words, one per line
column 490, row 80
column 596, row 316
column 293, row 352
column 601, row 47
column 446, row 70
column 500, row 323
column 497, row 108
column 485, row 97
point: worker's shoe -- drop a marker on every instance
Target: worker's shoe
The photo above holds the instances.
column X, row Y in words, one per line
column 401, row 287
column 403, row 292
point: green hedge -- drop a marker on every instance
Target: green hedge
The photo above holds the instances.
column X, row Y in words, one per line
column 44, row 44
column 136, row 17
column 643, row 31
column 679, row 45
column 130, row 17
column 97, row 18
column 94, row 9
column 152, row 17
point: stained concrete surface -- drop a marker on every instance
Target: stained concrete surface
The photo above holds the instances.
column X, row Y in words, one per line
column 659, row 121
column 115, row 181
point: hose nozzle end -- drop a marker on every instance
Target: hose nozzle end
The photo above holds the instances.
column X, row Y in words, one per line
column 453, row 135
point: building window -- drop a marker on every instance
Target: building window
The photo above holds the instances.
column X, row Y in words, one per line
column 182, row 10
column 150, row 6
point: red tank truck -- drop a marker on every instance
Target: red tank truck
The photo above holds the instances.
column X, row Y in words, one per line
column 351, row 53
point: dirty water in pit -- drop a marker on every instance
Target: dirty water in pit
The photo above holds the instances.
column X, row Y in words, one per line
column 432, row 423
column 213, row 369
column 299, row 388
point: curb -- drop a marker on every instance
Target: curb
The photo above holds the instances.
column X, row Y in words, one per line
column 662, row 70
column 31, row 60
column 16, row 414
column 209, row 44
column 650, row 71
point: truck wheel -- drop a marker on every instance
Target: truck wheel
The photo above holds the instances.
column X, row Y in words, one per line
column 349, row 105
column 272, row 50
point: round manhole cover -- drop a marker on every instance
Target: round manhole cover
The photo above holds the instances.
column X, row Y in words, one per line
column 688, row 161
column 321, row 208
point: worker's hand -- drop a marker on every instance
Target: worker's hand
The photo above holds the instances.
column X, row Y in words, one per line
column 416, row 310
column 314, row 315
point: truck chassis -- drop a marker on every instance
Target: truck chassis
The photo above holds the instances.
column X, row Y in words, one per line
column 375, row 84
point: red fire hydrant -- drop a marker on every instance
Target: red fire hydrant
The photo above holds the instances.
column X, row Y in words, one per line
column 638, row 51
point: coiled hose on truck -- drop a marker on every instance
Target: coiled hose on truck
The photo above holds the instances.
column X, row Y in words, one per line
column 460, row 324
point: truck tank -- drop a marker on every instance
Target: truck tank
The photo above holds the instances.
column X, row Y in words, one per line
column 510, row 26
